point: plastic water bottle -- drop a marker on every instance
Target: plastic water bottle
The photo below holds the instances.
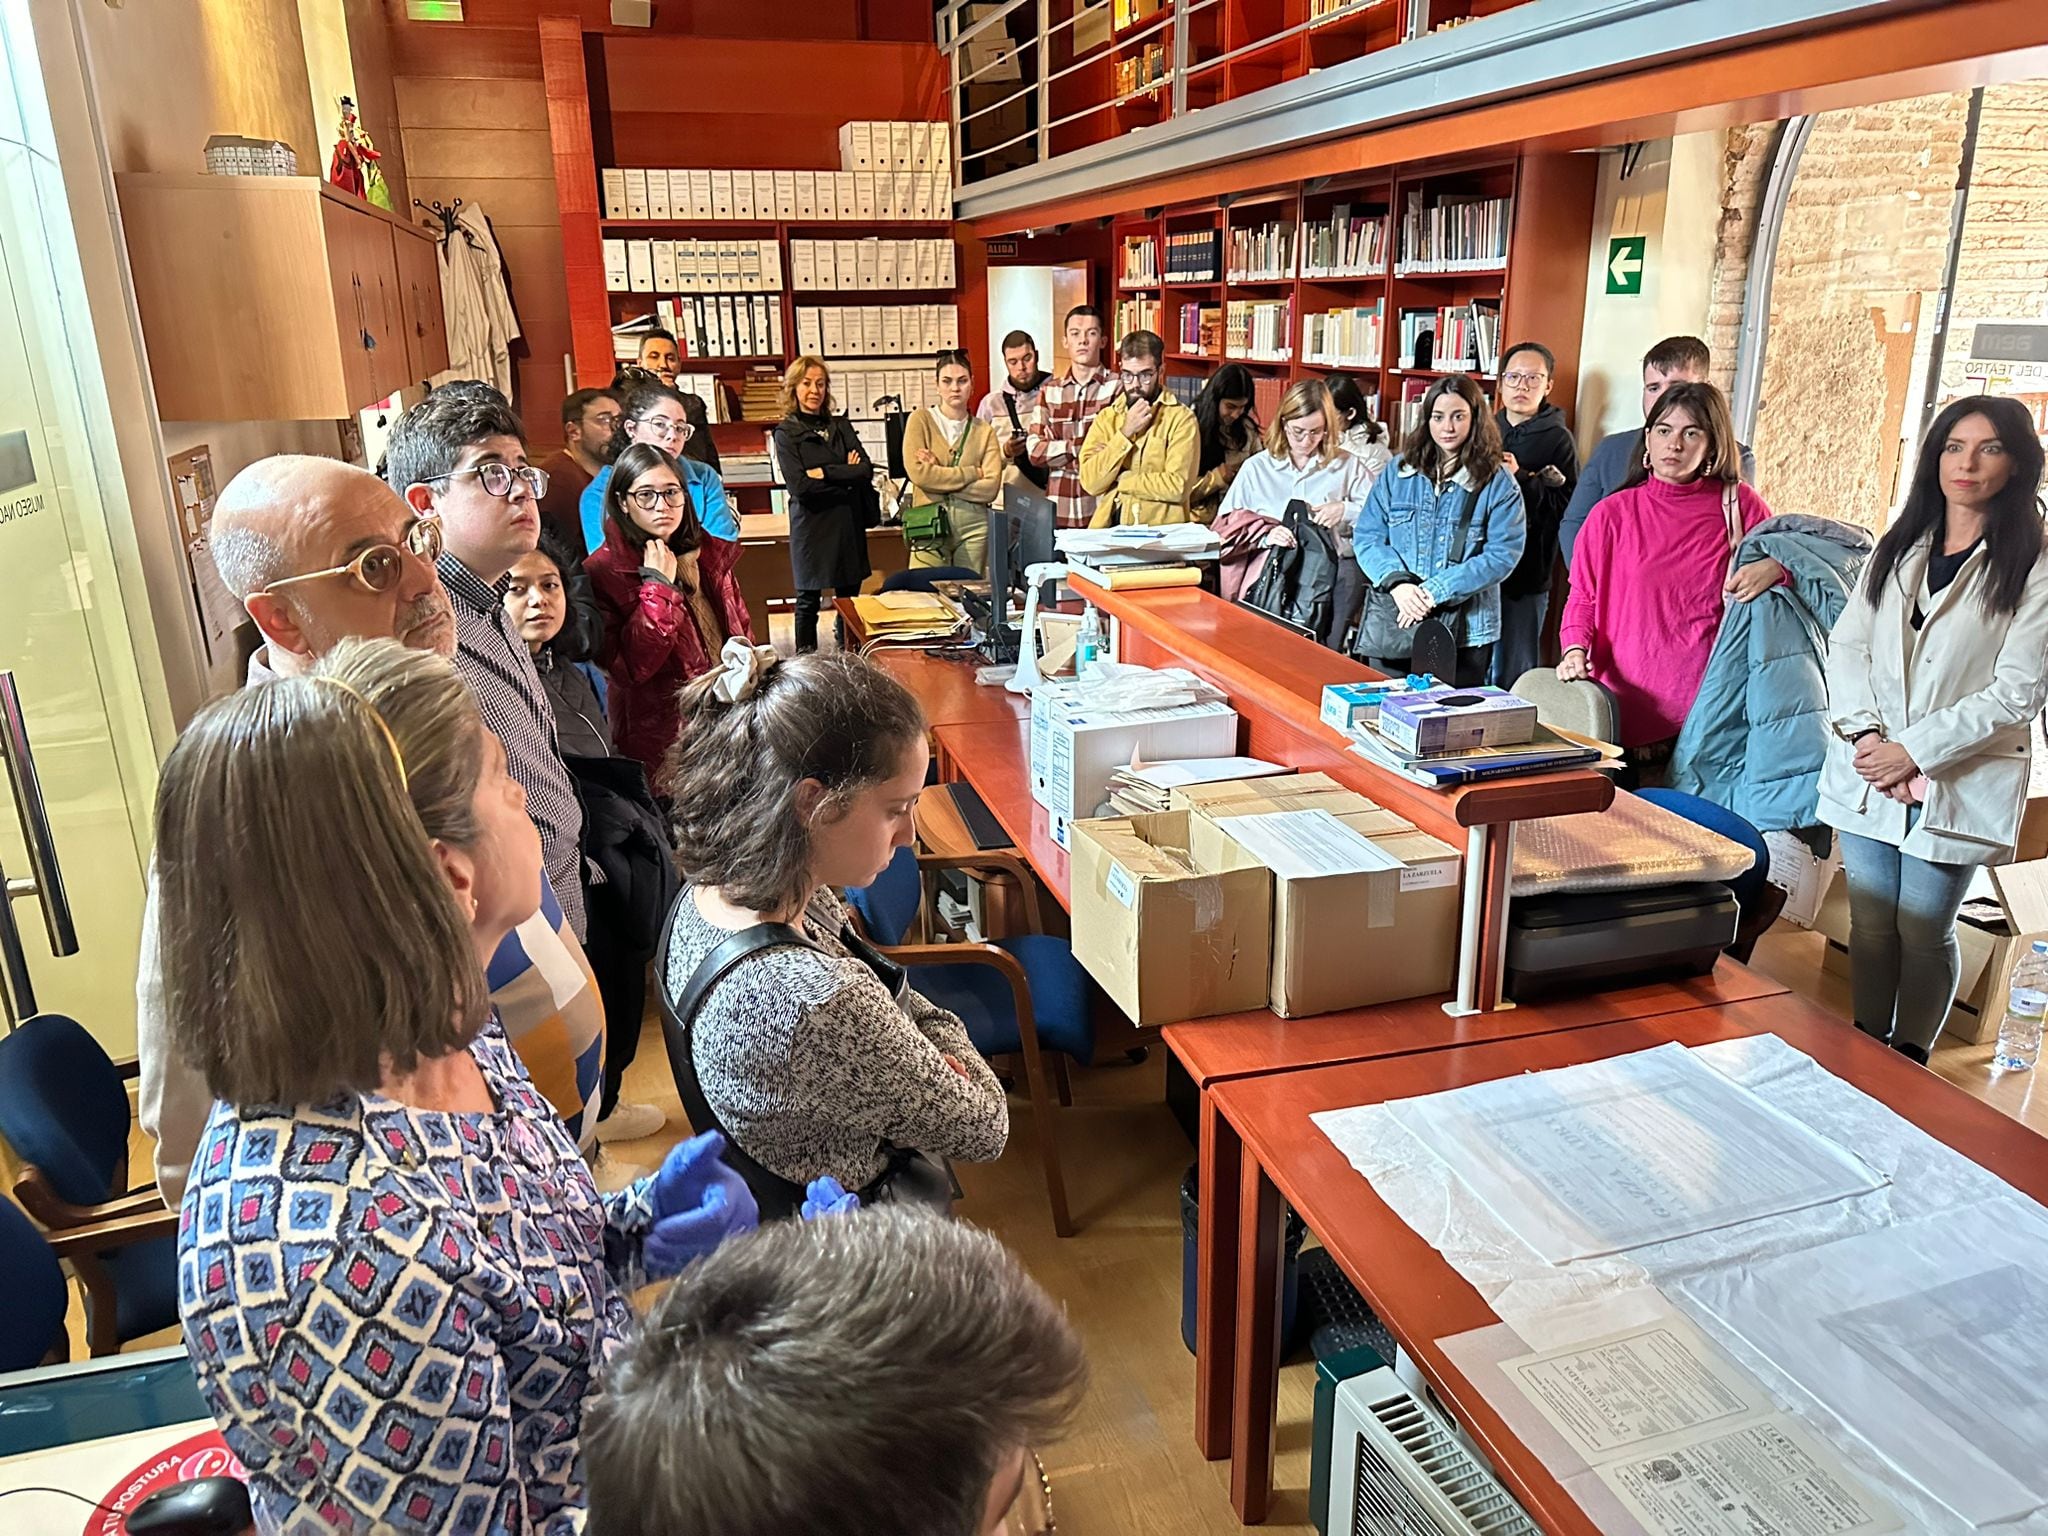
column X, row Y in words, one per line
column 1088, row 648
column 2019, row 1037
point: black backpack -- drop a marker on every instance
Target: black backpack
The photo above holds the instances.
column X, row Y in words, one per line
column 1298, row 586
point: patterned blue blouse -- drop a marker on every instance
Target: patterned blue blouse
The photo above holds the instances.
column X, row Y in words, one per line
column 396, row 1314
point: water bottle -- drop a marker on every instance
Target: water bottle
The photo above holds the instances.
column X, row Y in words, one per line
column 1088, row 648
column 2019, row 1037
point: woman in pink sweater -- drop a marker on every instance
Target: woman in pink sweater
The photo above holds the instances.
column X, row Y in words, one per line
column 1653, row 570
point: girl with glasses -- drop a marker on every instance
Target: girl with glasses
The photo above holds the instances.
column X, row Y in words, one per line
column 670, row 595
column 658, row 416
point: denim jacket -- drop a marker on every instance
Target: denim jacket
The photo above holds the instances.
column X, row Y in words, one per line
column 1406, row 529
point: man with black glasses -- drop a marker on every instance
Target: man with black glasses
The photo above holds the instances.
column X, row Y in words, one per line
column 1144, row 448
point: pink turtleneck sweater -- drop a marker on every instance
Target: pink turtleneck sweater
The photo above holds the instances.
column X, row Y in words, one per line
column 1646, row 597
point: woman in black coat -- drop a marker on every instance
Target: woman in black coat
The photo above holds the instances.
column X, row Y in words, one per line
column 832, row 497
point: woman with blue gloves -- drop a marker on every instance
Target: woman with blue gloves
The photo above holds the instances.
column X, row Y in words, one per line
column 1439, row 532
column 397, row 1280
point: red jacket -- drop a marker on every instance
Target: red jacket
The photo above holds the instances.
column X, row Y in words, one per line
column 651, row 646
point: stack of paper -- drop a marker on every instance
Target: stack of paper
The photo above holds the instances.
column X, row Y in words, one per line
column 1101, row 554
column 1545, row 752
column 1145, row 788
column 896, row 616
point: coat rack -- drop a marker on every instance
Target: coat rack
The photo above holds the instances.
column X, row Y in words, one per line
column 443, row 218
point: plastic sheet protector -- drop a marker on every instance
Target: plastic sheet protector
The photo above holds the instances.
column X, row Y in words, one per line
column 1928, row 1294
column 1618, row 1154
column 1632, row 844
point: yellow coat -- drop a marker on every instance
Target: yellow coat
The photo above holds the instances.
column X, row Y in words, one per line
column 1146, row 481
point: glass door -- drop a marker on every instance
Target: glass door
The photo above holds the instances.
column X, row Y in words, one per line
column 75, row 799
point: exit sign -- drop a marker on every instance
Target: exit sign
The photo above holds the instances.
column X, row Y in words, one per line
column 1625, row 264
column 1002, row 247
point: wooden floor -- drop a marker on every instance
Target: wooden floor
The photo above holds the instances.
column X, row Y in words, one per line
column 1130, row 1467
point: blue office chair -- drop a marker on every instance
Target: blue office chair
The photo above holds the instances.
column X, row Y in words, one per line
column 919, row 578
column 32, row 1322
column 1759, row 900
column 1025, row 994
column 64, row 1112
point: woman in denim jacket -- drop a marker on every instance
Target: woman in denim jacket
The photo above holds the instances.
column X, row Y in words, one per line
column 1438, row 534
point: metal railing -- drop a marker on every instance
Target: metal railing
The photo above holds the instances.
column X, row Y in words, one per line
column 981, row 41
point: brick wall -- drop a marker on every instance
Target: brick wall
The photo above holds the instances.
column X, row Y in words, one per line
column 2002, row 271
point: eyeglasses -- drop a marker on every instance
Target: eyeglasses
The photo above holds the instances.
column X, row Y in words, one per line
column 1523, row 377
column 378, row 568
column 662, row 430
column 1138, row 380
column 605, row 419
column 648, row 497
column 1304, row 431
column 497, row 478
column 1031, row 1512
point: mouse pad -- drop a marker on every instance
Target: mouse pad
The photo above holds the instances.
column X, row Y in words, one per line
column 118, row 1472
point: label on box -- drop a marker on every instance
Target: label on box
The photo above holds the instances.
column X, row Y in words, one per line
column 1429, row 877
column 1122, row 886
column 1305, row 845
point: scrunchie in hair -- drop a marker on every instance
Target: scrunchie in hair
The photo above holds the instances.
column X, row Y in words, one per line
column 741, row 669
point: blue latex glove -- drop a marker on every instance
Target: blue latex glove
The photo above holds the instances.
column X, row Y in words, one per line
column 828, row 1197
column 698, row 1203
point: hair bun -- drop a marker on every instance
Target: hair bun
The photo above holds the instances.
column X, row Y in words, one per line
column 742, row 669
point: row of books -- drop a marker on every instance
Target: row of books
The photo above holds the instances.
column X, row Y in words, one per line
column 1140, row 266
column 1349, row 243
column 1547, row 752
column 877, row 330
column 895, row 146
column 1201, row 330
column 1260, row 330
column 850, row 266
column 692, row 266
column 1136, row 315
column 765, row 196
column 721, row 327
column 1454, row 338
column 1262, row 253
column 1194, row 256
column 1343, row 338
column 1143, row 71
column 1454, row 234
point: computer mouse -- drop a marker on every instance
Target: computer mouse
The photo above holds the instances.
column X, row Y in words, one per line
column 205, row 1506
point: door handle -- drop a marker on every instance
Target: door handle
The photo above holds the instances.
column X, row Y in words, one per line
column 17, row 987
column 45, row 877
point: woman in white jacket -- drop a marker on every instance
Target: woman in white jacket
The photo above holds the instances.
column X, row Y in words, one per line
column 1937, row 671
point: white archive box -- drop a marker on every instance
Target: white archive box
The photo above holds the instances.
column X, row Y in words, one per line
column 615, row 278
column 678, row 194
column 614, row 181
column 828, row 197
column 743, row 194
column 701, row 203
column 665, row 266
column 764, row 196
column 636, row 194
column 846, row 187
column 657, row 195
column 902, row 149
column 806, row 194
column 785, row 195
column 1075, row 751
column 640, row 265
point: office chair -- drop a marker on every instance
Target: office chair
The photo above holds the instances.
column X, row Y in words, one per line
column 1583, row 708
column 64, row 1114
column 1021, row 995
column 32, row 1322
column 1759, row 901
column 919, row 578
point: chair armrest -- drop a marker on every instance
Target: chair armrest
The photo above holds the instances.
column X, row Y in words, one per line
column 116, row 1232
column 998, row 862
column 60, row 1215
column 972, row 954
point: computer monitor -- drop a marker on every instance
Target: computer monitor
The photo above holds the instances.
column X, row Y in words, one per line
column 1033, row 518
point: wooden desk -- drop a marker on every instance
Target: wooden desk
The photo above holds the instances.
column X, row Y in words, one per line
column 1254, row 1044
column 1411, row 1286
column 996, row 760
column 948, row 691
column 1274, row 679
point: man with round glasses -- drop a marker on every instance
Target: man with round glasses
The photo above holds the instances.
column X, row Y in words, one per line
column 320, row 551
column 657, row 415
column 1143, row 451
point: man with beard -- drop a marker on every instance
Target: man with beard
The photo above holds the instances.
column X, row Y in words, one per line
column 1141, row 455
column 590, row 420
column 1008, row 406
column 320, row 551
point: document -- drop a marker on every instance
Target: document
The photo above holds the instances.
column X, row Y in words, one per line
column 1612, row 1155
column 1767, row 1479
column 1927, row 1339
column 1303, row 845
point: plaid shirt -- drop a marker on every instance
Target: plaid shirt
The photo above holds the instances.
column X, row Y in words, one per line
column 1063, row 414
column 499, row 670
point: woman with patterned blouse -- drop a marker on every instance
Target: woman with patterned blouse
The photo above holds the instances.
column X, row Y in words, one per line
column 396, row 1278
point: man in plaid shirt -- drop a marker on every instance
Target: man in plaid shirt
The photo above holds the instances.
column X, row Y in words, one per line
column 1066, row 408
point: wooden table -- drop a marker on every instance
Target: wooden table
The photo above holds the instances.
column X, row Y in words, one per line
column 995, row 757
column 1411, row 1286
column 948, row 691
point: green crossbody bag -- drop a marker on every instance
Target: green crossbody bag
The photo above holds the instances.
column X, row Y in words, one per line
column 926, row 524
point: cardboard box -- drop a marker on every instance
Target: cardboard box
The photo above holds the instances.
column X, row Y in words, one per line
column 1438, row 721
column 1166, row 938
column 1074, row 753
column 1341, row 940
column 1348, row 705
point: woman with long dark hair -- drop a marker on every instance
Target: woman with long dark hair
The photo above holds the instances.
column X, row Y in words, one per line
column 1936, row 672
column 1365, row 439
column 1229, row 436
column 670, row 596
column 1439, row 532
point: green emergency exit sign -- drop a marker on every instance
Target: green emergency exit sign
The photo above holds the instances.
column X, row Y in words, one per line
column 1625, row 264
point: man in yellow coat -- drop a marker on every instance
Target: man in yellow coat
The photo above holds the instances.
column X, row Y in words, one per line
column 1140, row 456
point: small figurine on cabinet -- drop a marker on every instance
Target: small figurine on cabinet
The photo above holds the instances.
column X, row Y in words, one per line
column 354, row 168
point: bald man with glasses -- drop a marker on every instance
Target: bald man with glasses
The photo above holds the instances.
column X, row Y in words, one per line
column 319, row 551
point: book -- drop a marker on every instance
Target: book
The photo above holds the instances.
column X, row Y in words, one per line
column 1127, row 578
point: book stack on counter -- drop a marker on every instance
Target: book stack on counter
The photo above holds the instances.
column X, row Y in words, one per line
column 1159, row 555
column 1444, row 737
column 1145, row 789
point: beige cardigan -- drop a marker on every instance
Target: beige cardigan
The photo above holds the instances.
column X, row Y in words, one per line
column 979, row 477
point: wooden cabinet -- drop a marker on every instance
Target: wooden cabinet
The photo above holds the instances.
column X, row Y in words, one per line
column 277, row 297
